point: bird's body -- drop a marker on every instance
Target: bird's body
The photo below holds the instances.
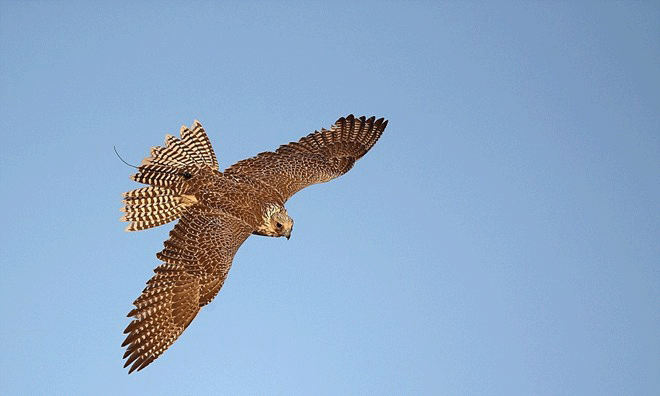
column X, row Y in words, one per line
column 217, row 212
column 242, row 197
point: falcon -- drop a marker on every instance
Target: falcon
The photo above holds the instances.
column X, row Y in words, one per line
column 217, row 212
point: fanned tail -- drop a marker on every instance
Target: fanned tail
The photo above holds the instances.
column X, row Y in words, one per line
column 166, row 170
column 178, row 159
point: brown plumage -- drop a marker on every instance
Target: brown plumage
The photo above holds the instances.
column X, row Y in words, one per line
column 217, row 212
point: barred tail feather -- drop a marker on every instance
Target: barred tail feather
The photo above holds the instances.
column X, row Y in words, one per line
column 149, row 207
column 166, row 170
column 170, row 164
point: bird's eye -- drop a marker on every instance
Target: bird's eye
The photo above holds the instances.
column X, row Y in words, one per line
column 278, row 225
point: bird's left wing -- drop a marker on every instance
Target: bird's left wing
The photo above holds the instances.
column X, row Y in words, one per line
column 316, row 158
column 196, row 259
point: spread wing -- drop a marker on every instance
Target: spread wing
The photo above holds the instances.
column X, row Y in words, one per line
column 196, row 259
column 316, row 158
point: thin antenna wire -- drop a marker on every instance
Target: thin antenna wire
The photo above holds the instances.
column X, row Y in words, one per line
column 122, row 160
column 186, row 175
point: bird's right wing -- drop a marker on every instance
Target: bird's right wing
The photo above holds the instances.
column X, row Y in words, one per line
column 316, row 158
column 196, row 259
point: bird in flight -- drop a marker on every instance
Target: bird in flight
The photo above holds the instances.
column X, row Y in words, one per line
column 217, row 212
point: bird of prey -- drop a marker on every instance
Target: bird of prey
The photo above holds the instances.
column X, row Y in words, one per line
column 217, row 212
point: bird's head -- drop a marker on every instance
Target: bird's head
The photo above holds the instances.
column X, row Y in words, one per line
column 276, row 223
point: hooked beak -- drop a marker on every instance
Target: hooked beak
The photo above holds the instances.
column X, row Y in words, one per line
column 288, row 235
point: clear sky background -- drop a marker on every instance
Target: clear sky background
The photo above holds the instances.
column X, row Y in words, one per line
column 502, row 238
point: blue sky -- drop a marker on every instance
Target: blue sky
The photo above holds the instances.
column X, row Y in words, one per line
column 502, row 238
